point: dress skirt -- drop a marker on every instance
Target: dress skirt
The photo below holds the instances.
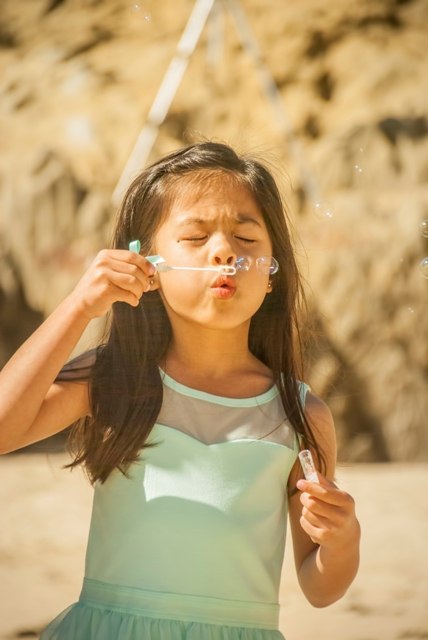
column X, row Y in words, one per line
column 113, row 612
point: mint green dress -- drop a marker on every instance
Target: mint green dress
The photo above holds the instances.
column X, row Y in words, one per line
column 190, row 545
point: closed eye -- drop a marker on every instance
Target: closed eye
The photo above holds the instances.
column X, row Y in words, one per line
column 247, row 240
column 195, row 239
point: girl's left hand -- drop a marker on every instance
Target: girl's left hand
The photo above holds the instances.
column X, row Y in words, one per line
column 328, row 514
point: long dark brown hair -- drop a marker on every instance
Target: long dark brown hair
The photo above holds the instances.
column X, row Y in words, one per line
column 124, row 379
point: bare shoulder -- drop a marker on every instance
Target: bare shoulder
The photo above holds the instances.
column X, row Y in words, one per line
column 318, row 413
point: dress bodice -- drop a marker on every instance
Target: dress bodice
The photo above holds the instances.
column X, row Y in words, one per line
column 204, row 511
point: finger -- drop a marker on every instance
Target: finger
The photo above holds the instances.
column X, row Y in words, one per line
column 326, row 482
column 117, row 294
column 324, row 490
column 130, row 257
column 133, row 272
column 315, row 519
column 328, row 512
column 315, row 533
column 129, row 283
column 107, row 271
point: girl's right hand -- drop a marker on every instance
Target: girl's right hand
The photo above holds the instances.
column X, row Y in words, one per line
column 115, row 275
column 32, row 405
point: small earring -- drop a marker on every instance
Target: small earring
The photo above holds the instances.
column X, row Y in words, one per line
column 151, row 282
column 269, row 285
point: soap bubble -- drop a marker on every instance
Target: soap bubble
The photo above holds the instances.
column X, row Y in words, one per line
column 358, row 166
column 267, row 265
column 243, row 263
column 423, row 267
column 139, row 9
column 424, row 228
column 323, row 210
column 358, row 161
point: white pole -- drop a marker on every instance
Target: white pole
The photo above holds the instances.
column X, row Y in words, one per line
column 164, row 97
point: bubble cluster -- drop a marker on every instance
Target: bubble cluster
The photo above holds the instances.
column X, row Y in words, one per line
column 267, row 265
column 424, row 228
column 358, row 168
column 140, row 10
column 323, row 210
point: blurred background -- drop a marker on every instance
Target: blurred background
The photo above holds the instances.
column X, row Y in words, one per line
column 333, row 95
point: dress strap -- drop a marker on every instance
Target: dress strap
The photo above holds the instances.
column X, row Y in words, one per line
column 303, row 390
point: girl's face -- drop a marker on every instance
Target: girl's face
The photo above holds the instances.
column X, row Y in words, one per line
column 212, row 224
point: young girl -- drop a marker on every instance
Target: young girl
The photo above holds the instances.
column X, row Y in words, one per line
column 189, row 418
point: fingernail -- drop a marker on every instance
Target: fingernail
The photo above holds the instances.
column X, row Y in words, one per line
column 300, row 484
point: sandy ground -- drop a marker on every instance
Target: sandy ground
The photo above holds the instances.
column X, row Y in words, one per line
column 44, row 523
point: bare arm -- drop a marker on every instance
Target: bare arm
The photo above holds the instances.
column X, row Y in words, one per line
column 32, row 406
column 29, row 409
column 325, row 530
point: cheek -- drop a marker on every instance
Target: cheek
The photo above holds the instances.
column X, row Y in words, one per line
column 258, row 299
column 180, row 289
column 253, row 283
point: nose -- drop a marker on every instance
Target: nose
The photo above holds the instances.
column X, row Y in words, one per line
column 222, row 252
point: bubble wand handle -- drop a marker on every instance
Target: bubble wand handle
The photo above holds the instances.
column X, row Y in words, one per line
column 308, row 466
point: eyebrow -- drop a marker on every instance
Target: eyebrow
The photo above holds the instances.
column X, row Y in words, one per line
column 239, row 219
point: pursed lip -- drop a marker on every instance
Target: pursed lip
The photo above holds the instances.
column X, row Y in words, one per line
column 224, row 286
column 224, row 281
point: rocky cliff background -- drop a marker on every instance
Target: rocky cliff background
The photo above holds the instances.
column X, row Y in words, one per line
column 349, row 143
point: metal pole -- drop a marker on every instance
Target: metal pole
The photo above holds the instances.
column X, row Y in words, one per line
column 165, row 96
column 174, row 76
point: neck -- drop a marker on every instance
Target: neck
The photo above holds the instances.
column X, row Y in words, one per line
column 216, row 361
column 209, row 352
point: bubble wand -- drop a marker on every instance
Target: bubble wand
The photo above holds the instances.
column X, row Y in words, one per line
column 162, row 266
column 265, row 264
